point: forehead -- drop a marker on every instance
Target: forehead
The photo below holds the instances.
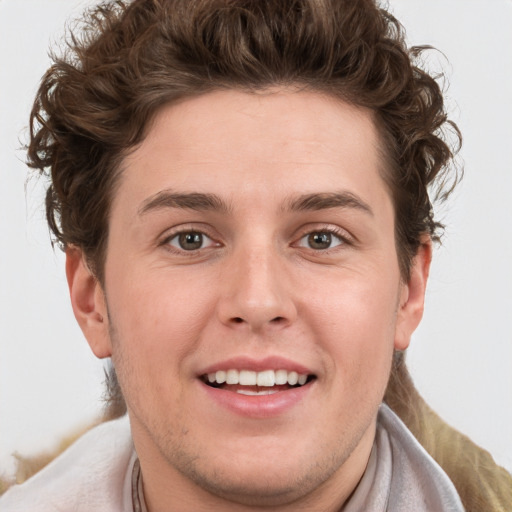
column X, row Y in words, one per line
column 235, row 143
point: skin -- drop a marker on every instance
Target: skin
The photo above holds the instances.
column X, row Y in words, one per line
column 255, row 288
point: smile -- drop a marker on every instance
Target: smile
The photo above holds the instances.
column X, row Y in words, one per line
column 252, row 383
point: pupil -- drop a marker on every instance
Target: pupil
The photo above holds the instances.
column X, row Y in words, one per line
column 320, row 240
column 191, row 241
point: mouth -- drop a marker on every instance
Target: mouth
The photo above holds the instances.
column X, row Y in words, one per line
column 253, row 383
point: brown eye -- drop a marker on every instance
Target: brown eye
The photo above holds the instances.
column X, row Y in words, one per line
column 190, row 241
column 320, row 240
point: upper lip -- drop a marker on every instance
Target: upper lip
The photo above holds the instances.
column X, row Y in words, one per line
column 257, row 365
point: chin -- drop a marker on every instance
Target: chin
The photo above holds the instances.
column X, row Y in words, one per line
column 263, row 477
column 260, row 486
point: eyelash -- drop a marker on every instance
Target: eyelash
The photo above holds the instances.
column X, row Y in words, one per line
column 341, row 235
column 190, row 231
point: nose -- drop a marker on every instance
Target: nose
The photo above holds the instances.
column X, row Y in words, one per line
column 256, row 293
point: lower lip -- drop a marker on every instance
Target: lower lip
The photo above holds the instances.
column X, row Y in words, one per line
column 258, row 406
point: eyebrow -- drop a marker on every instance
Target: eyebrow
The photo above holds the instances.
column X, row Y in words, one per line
column 211, row 202
column 188, row 201
column 326, row 200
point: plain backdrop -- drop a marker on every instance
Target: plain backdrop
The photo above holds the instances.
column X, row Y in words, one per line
column 461, row 356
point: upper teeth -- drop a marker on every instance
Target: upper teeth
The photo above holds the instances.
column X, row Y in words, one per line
column 265, row 378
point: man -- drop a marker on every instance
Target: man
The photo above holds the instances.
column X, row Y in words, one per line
column 241, row 191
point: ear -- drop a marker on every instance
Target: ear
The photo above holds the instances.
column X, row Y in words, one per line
column 88, row 302
column 412, row 296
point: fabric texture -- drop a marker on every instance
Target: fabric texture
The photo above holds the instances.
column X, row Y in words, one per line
column 401, row 476
column 97, row 473
column 94, row 474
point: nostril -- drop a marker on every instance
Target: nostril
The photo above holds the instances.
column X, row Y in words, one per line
column 240, row 320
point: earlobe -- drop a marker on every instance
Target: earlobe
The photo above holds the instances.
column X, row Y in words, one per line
column 88, row 302
column 412, row 299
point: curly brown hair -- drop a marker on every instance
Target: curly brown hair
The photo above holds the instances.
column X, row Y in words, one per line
column 127, row 60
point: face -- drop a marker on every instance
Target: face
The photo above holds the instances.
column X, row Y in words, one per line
column 252, row 297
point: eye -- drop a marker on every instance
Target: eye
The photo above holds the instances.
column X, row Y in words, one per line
column 190, row 241
column 320, row 240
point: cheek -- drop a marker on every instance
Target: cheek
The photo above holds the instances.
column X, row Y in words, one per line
column 155, row 328
column 355, row 322
column 158, row 319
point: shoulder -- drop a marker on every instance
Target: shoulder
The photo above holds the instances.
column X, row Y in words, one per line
column 90, row 475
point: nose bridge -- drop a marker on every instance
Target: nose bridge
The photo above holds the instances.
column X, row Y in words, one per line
column 257, row 293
